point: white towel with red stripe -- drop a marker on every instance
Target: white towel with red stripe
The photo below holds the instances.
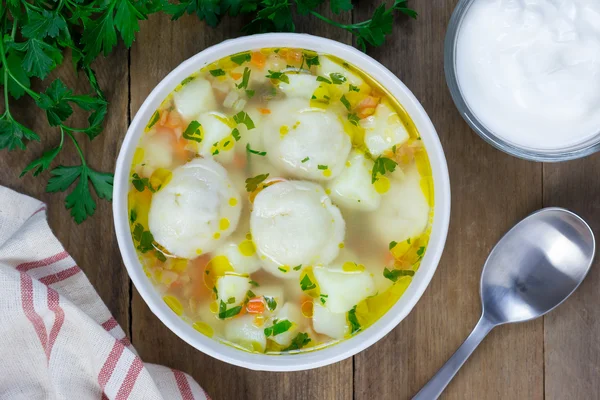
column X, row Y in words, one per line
column 59, row 341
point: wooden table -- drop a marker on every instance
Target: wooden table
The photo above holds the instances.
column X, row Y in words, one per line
column 557, row 357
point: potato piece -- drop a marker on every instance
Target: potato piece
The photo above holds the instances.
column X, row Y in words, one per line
column 353, row 188
column 232, row 289
column 327, row 323
column 243, row 331
column 383, row 130
column 343, row 289
column 292, row 313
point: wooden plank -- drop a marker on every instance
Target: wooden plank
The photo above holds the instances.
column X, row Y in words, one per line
column 160, row 47
column 92, row 244
column 572, row 331
column 490, row 192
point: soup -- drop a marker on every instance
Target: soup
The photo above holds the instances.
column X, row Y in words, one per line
column 280, row 200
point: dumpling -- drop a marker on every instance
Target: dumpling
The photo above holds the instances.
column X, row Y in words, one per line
column 244, row 332
column 404, row 210
column 334, row 325
column 305, row 142
column 194, row 98
column 343, row 289
column 300, row 86
column 294, row 223
column 241, row 256
column 353, row 188
column 196, row 211
column 383, row 130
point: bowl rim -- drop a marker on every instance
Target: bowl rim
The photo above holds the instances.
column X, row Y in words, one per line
column 345, row 348
column 582, row 149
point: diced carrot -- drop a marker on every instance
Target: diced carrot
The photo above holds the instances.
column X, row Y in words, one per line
column 235, row 75
column 255, row 306
column 367, row 106
column 239, row 160
column 180, row 149
column 264, row 111
column 173, row 120
column 294, row 55
column 258, row 59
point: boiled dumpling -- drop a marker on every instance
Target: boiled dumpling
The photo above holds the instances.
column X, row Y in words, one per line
column 244, row 332
column 194, row 98
column 196, row 211
column 334, row 325
column 241, row 256
column 404, row 210
column 383, row 130
column 300, row 85
column 305, row 142
column 291, row 313
column 343, row 289
column 353, row 188
column 294, row 223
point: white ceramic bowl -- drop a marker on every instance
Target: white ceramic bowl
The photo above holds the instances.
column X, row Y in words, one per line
column 421, row 279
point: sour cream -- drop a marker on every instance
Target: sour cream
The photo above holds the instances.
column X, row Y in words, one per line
column 530, row 70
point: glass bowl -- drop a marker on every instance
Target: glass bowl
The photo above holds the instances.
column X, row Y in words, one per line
column 568, row 153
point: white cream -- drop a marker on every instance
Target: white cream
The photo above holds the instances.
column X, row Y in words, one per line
column 530, row 70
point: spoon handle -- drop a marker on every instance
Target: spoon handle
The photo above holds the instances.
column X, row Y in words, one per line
column 434, row 388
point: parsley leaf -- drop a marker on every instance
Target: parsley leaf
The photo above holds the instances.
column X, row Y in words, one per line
column 258, row 153
column 305, row 160
column 353, row 88
column 354, row 324
column 216, row 72
column 298, row 342
column 224, row 313
column 278, row 76
column 236, row 134
column 278, row 328
column 307, row 284
column 245, row 79
column 271, row 302
column 243, row 118
column 392, row 244
column 381, row 166
column 241, row 58
column 323, row 79
column 340, row 5
column 252, row 183
column 394, row 274
column 194, row 132
column 353, row 118
column 337, row 78
column 345, row 102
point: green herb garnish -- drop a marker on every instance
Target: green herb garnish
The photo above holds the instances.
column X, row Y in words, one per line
column 278, row 76
column 243, row 118
column 217, row 72
column 258, row 153
column 140, row 183
column 161, row 257
column 394, row 274
column 249, row 93
column 337, row 78
column 307, row 284
column 252, row 183
column 193, row 132
column 271, row 302
column 381, row 166
column 345, row 102
column 298, row 267
column 236, row 134
column 322, row 167
column 245, row 80
column 224, row 313
column 298, row 342
column 323, row 298
column 241, row 58
column 421, row 251
column 353, row 88
column 187, row 80
column 323, row 79
column 310, row 61
column 392, row 244
column 153, row 120
column 278, row 328
column 231, row 300
column 253, row 283
column 353, row 118
column 305, row 160
column 354, row 324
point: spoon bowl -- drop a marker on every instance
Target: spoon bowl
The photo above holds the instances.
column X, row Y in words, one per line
column 533, row 269
column 536, row 266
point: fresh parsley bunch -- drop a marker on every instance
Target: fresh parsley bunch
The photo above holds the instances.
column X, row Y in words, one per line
column 36, row 35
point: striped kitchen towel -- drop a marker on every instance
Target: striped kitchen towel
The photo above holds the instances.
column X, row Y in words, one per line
column 59, row 341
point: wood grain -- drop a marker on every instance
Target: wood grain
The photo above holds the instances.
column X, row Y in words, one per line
column 92, row 244
column 490, row 192
column 572, row 331
column 175, row 42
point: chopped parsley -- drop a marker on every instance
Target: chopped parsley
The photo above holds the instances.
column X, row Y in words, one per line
column 253, row 283
column 214, row 289
column 353, row 88
column 345, row 102
column 241, row 58
column 187, row 80
column 245, row 79
column 217, row 72
column 216, row 149
column 249, row 93
column 153, row 120
column 337, row 78
column 249, row 295
column 236, row 134
column 408, row 240
column 323, row 298
column 278, row 328
column 140, row 183
column 224, row 313
column 193, row 132
column 322, row 167
column 381, row 166
column 323, row 79
column 252, row 183
column 271, row 303
column 160, row 255
column 307, row 284
column 231, row 300
column 305, row 160
column 283, row 269
column 278, row 76
column 310, row 61
column 353, row 118
column 243, row 118
column 354, row 324
column 132, row 215
column 421, row 251
column 297, row 267
column 298, row 342
column 258, row 153
column 394, row 274
column 146, row 242
column 393, row 244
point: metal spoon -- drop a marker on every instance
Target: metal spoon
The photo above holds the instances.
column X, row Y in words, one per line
column 532, row 269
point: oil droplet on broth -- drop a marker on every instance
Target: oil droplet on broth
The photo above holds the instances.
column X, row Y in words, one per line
column 382, row 185
column 223, row 224
column 203, row 328
column 247, row 248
